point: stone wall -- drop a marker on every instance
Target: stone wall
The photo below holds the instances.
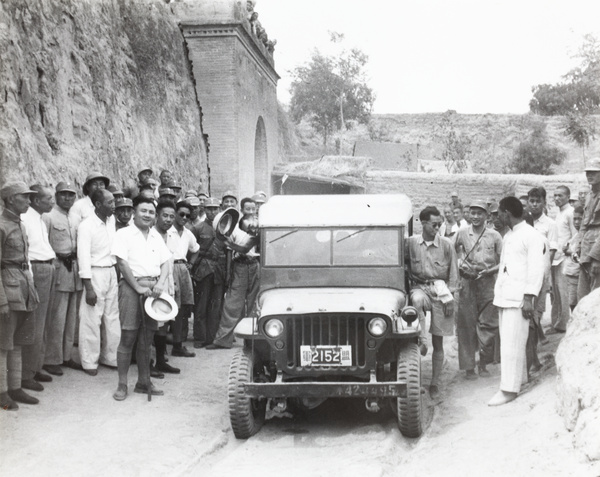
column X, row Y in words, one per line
column 96, row 85
column 578, row 382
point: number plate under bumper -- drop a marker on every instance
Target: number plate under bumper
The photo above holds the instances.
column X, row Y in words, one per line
column 325, row 389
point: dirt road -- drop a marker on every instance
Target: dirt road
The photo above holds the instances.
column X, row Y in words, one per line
column 78, row 429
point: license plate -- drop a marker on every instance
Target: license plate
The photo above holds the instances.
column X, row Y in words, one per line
column 326, row 355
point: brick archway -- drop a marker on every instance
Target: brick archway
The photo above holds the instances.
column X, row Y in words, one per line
column 261, row 162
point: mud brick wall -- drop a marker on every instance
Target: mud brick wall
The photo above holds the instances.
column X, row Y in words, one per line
column 435, row 189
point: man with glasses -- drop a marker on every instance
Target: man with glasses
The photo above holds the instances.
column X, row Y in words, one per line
column 434, row 275
column 182, row 243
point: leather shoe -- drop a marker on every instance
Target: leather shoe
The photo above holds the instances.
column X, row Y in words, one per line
column 216, row 346
column 21, row 396
column 502, row 397
column 121, row 393
column 91, row 372
column 53, row 369
column 72, row 364
column 167, row 368
column 183, row 352
column 423, row 349
column 143, row 389
column 42, row 378
column 7, row 404
column 554, row 331
column 471, row 376
column 434, row 392
column 198, row 345
column 32, row 385
column 155, row 373
column 483, row 372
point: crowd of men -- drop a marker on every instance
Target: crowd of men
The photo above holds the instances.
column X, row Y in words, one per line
column 487, row 268
column 77, row 274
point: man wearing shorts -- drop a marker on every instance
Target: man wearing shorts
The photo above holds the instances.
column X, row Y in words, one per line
column 434, row 275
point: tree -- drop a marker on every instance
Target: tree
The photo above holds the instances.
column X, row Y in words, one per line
column 580, row 128
column 456, row 147
column 579, row 92
column 328, row 91
column 535, row 155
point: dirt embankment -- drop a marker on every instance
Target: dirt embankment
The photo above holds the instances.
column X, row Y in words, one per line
column 96, row 85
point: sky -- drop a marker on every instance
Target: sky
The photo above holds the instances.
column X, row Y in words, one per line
column 472, row 56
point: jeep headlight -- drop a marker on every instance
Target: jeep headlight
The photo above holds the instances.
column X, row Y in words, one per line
column 273, row 328
column 409, row 314
column 377, row 326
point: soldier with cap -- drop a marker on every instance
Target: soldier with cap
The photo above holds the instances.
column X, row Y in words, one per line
column 209, row 276
column 229, row 199
column 478, row 250
column 41, row 257
column 176, row 188
column 83, row 207
column 144, row 173
column 589, row 248
column 116, row 192
column 149, row 184
column 123, row 212
column 196, row 207
column 18, row 297
column 62, row 321
column 166, row 193
column 259, row 198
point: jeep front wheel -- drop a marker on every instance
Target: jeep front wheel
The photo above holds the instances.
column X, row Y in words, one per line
column 247, row 415
column 410, row 412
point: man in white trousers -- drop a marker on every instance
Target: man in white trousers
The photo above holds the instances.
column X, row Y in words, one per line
column 100, row 303
column 520, row 278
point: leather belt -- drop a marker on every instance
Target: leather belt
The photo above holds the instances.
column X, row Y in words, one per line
column 19, row 266
column 245, row 259
column 42, row 261
column 147, row 278
column 180, row 260
column 102, row 266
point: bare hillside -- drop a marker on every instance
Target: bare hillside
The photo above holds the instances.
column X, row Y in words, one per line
column 494, row 137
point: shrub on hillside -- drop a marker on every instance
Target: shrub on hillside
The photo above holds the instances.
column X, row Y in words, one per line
column 536, row 155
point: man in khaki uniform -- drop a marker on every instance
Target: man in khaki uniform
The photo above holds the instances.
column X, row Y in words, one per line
column 62, row 320
column 478, row 249
column 589, row 250
column 18, row 297
column 434, row 273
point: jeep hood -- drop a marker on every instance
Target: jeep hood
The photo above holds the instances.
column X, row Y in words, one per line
column 298, row 301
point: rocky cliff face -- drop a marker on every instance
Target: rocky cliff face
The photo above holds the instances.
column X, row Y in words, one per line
column 578, row 384
column 96, row 85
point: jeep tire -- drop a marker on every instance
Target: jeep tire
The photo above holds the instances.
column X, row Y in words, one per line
column 410, row 410
column 247, row 415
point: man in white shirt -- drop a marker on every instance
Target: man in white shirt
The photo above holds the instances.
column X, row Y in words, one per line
column 560, row 287
column 520, row 277
column 183, row 244
column 536, row 202
column 241, row 294
column 142, row 256
column 99, row 305
column 41, row 257
column 84, row 207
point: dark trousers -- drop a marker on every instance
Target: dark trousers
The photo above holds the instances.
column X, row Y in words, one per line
column 208, row 300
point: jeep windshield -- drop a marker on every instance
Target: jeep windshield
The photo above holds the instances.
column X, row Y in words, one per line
column 360, row 246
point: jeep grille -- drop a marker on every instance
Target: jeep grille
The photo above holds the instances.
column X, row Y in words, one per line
column 331, row 329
